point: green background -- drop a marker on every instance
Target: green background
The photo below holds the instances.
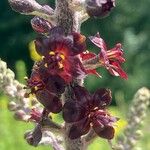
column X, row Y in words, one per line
column 129, row 24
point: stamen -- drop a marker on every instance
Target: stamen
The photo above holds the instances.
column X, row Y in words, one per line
column 46, row 65
column 35, row 88
column 60, row 65
column 91, row 124
column 52, row 53
column 62, row 56
column 95, row 108
column 43, row 57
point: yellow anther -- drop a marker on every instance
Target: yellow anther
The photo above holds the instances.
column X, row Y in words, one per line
column 60, row 65
column 52, row 53
column 31, row 96
column 46, row 65
column 42, row 57
column 62, row 56
column 36, row 88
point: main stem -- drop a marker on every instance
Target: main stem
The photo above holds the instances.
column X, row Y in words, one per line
column 66, row 18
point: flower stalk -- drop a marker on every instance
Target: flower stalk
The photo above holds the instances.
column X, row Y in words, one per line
column 137, row 113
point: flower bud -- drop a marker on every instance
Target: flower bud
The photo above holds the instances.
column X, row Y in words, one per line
column 22, row 6
column 40, row 25
column 12, row 106
column 20, row 115
column 34, row 137
column 99, row 8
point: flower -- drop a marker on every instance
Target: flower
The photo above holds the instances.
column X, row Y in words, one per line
column 99, row 8
column 86, row 111
column 110, row 59
column 60, row 52
column 47, row 88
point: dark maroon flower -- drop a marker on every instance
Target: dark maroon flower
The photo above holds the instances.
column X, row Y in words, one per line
column 60, row 53
column 47, row 88
column 99, row 8
column 110, row 59
column 86, row 111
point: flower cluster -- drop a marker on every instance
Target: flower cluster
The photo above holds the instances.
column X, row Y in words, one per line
column 46, row 87
column 64, row 59
column 87, row 110
column 55, row 83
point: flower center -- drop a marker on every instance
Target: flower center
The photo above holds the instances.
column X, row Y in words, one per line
column 55, row 57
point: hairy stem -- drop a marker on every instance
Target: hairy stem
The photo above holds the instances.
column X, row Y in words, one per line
column 66, row 18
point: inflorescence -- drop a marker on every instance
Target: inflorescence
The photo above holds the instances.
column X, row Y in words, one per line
column 65, row 58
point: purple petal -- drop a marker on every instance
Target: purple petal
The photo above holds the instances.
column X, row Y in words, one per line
column 73, row 112
column 79, row 128
column 50, row 102
column 106, row 132
column 42, row 45
column 55, row 84
column 102, row 98
column 81, row 95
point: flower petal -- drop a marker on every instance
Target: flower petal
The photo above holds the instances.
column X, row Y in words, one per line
column 103, row 124
column 79, row 43
column 102, row 98
column 98, row 41
column 73, row 112
column 106, row 132
column 93, row 72
column 79, row 128
column 55, row 84
column 87, row 55
column 116, row 70
column 41, row 45
column 82, row 96
column 49, row 101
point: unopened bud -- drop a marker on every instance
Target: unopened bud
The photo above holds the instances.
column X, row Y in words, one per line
column 3, row 67
column 34, row 137
column 138, row 134
column 99, row 8
column 20, row 115
column 12, row 106
column 40, row 25
column 132, row 141
column 23, row 6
